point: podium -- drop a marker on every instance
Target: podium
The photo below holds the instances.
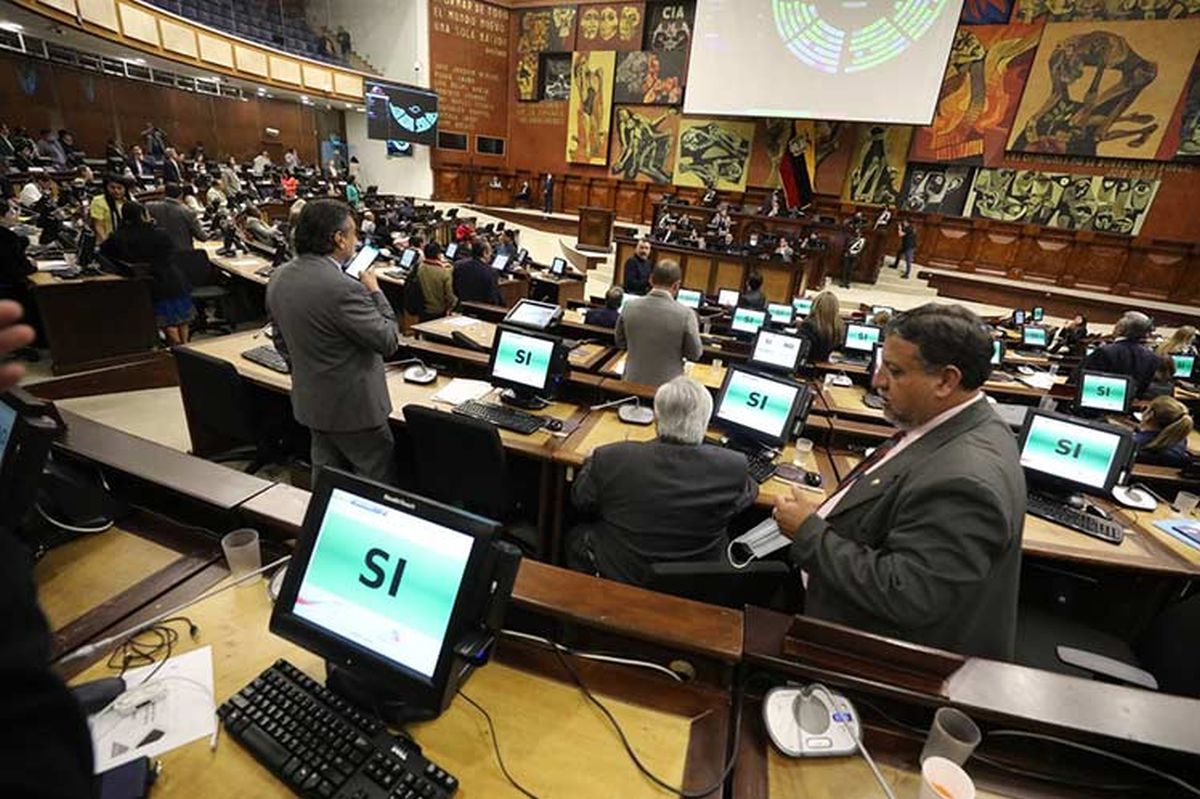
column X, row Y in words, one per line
column 595, row 229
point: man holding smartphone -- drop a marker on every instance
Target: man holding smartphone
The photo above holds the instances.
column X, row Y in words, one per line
column 335, row 330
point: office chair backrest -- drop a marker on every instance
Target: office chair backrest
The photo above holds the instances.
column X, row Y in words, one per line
column 459, row 461
column 214, row 396
column 195, row 267
column 765, row 583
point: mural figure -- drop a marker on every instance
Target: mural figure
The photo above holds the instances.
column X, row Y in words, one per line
column 713, row 154
column 645, row 146
column 874, row 179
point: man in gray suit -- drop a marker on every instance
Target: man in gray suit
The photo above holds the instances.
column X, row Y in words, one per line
column 670, row 499
column 657, row 331
column 176, row 219
column 923, row 540
column 335, row 332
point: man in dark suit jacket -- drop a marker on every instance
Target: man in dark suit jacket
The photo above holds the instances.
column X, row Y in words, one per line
column 335, row 332
column 670, row 499
column 607, row 315
column 172, row 168
column 475, row 281
column 923, row 541
column 176, row 219
column 1128, row 355
column 637, row 270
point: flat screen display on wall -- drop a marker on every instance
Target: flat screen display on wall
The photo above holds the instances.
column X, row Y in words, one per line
column 401, row 113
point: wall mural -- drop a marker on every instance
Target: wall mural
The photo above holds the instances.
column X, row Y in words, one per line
column 650, row 78
column 527, row 76
column 555, row 76
column 987, row 70
column 590, row 111
column 1071, row 202
column 545, row 29
column 615, row 26
column 713, row 154
column 877, row 164
column 1104, row 10
column 936, row 189
column 1104, row 89
column 644, row 143
column 986, row 12
column 669, row 26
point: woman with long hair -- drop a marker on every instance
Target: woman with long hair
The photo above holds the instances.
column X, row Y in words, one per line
column 1180, row 342
column 823, row 327
column 106, row 209
column 1162, row 436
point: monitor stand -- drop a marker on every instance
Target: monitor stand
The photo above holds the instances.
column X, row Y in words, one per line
column 854, row 359
column 525, row 400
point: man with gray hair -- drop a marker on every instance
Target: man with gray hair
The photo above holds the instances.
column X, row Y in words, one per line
column 657, row 331
column 1128, row 355
column 669, row 499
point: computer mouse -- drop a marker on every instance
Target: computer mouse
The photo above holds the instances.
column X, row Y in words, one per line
column 554, row 425
column 421, row 375
column 813, row 479
column 1077, row 502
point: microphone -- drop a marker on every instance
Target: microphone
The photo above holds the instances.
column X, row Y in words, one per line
column 630, row 414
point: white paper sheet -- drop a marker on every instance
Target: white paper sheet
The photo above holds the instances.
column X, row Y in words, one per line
column 459, row 390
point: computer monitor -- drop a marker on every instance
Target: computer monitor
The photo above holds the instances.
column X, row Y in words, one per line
column 1065, row 454
column 25, row 437
column 558, row 267
column 997, row 352
column 1038, row 313
column 780, row 313
column 452, row 250
column 409, row 258
column 802, row 306
column 1185, row 365
column 689, row 298
column 758, row 408
column 728, row 298
column 384, row 585
column 778, row 352
column 529, row 365
column 748, row 320
column 1033, row 336
column 1018, row 317
column 521, row 258
column 534, row 315
column 861, row 338
column 500, row 263
column 1105, row 392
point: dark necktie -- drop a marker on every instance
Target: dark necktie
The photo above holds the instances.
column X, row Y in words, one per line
column 874, row 458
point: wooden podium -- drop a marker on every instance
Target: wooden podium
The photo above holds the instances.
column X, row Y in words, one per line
column 595, row 229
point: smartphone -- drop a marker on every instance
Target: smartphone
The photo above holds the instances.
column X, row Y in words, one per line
column 360, row 263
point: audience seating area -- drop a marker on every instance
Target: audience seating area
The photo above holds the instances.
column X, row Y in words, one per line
column 271, row 23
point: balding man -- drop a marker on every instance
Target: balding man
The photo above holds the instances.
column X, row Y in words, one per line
column 670, row 499
column 658, row 332
column 1128, row 355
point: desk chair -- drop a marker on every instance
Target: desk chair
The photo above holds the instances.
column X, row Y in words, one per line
column 765, row 583
column 206, row 291
column 217, row 404
column 461, row 461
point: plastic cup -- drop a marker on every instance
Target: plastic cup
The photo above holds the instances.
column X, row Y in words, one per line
column 1185, row 502
column 941, row 779
column 804, row 448
column 953, row 736
column 242, row 553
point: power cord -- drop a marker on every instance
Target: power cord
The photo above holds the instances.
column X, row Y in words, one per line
column 496, row 746
column 862, row 749
column 136, row 650
column 644, row 664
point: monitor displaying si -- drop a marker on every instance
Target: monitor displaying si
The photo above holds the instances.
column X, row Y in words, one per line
column 728, row 298
column 997, row 352
column 861, row 338
column 558, row 267
column 689, row 298
column 362, row 261
column 408, row 258
column 400, row 113
column 1018, row 317
column 1033, row 336
column 757, row 407
column 780, row 313
column 534, row 315
column 500, row 263
column 1073, row 454
column 747, row 320
column 524, row 361
column 1038, row 313
column 802, row 306
column 383, row 585
column 779, row 352
column 1105, row 392
column 451, row 250
column 1185, row 365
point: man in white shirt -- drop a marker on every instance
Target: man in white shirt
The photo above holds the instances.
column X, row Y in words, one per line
column 922, row 541
column 33, row 191
column 260, row 164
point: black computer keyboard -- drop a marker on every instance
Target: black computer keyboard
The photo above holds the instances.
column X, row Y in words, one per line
column 1086, row 523
column 506, row 418
column 269, row 357
column 762, row 467
column 321, row 746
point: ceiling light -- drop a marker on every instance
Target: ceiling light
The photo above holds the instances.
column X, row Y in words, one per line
column 12, row 27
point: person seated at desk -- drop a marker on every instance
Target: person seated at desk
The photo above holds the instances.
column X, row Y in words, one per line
column 672, row 235
column 823, row 327
column 105, row 210
column 335, row 331
column 138, row 241
column 1070, row 337
column 254, row 222
column 1179, row 343
column 813, row 242
column 524, row 193
column 474, row 280
column 637, row 270
column 774, row 206
column 607, row 314
column 191, row 200
column 720, row 223
column 437, row 283
column 658, row 332
column 507, row 245
column 1128, row 355
column 783, row 249
column 368, row 224
column 669, row 499
column 40, row 187
column 175, row 219
column 753, row 296
column 289, row 185
column 922, row 541
column 138, row 166
column 173, row 171
column 1162, row 436
column 881, row 319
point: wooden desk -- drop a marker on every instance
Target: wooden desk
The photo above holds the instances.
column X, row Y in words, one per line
column 709, row 375
column 244, row 266
column 586, row 357
column 557, row 290
column 94, row 322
